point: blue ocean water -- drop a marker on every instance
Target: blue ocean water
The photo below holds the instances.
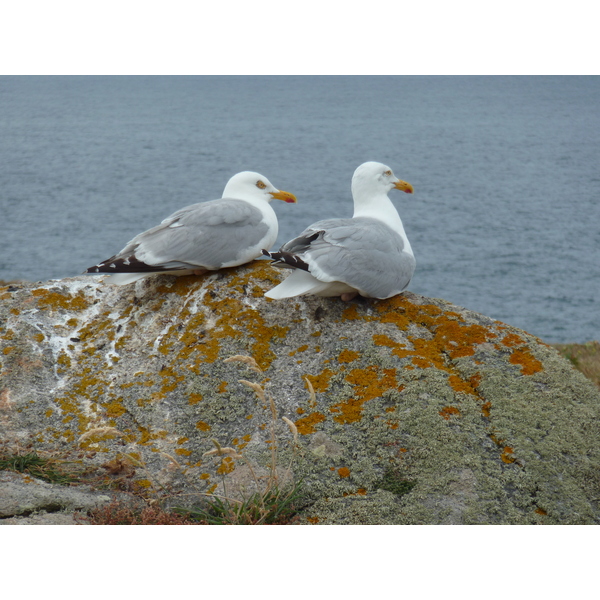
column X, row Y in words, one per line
column 506, row 170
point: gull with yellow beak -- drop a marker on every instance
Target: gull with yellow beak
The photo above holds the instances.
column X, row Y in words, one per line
column 203, row 237
column 368, row 254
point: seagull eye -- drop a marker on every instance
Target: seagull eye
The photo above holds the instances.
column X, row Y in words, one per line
column 260, row 184
column 388, row 173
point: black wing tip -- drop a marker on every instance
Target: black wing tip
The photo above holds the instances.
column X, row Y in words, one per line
column 129, row 264
column 286, row 259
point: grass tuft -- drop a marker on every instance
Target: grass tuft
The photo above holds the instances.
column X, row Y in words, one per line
column 47, row 469
column 269, row 507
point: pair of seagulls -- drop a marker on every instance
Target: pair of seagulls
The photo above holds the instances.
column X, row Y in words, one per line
column 368, row 254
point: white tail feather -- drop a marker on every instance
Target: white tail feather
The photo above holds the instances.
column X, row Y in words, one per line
column 301, row 283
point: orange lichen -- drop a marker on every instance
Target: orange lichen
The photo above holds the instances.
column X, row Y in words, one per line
column 540, row 511
column 182, row 451
column 512, row 340
column 347, row 356
column 227, row 466
column 475, row 380
column 313, row 520
column 300, row 349
column 368, row 383
column 422, row 363
column 460, row 340
column 398, row 349
column 115, row 408
column 308, row 424
column 460, row 385
column 351, row 313
column 485, row 409
column 202, row 426
column 344, row 472
column 449, row 411
column 528, row 363
column 506, row 455
column 320, row 382
column 55, row 300
column 194, row 398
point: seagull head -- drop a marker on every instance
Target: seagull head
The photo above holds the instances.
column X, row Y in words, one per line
column 374, row 178
column 249, row 185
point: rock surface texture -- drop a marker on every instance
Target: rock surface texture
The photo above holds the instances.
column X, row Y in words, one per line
column 422, row 413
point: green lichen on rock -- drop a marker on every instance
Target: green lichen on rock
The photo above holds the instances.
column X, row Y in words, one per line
column 476, row 421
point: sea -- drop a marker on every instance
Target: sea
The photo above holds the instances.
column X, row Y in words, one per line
column 505, row 218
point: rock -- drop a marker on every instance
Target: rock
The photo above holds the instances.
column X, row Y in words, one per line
column 422, row 412
column 22, row 495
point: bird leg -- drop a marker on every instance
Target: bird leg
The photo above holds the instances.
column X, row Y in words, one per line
column 346, row 297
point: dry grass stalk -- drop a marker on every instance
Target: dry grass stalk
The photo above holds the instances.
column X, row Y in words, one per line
column 100, row 431
column 247, row 360
column 258, row 390
column 292, row 427
column 311, row 392
column 172, row 459
column 220, row 451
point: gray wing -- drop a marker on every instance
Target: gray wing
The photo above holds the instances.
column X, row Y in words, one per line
column 364, row 253
column 207, row 234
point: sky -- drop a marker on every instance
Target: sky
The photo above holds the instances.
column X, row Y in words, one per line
column 297, row 37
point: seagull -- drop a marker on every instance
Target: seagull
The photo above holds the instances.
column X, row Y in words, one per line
column 202, row 237
column 368, row 254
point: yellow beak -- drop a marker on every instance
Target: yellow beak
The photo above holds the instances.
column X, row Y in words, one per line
column 404, row 186
column 285, row 196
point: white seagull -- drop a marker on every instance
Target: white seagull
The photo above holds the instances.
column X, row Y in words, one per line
column 203, row 237
column 368, row 254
